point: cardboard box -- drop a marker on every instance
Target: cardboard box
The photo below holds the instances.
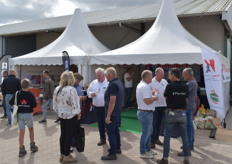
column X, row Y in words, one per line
column 223, row 134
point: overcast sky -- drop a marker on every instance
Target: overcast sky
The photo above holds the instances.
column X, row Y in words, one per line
column 12, row 11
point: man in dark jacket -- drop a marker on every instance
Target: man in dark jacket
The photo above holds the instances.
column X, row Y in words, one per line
column 4, row 75
column 10, row 86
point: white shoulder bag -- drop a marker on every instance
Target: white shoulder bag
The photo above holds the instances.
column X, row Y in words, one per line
column 15, row 110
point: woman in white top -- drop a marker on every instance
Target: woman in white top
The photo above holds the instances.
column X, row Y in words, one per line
column 66, row 104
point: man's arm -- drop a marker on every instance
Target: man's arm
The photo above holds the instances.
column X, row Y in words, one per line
column 110, row 108
column 150, row 100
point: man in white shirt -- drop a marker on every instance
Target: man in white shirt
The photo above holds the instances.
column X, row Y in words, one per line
column 128, row 79
column 96, row 91
column 158, row 86
column 145, row 101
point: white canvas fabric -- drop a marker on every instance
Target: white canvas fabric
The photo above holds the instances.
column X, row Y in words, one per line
column 77, row 40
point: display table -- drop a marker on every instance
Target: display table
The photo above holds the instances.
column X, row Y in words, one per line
column 36, row 92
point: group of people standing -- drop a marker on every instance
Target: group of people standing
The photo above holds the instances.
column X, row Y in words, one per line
column 159, row 105
column 166, row 105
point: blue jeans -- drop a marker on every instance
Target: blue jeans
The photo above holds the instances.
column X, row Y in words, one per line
column 158, row 119
column 45, row 106
column 128, row 92
column 99, row 113
column 113, row 134
column 9, row 109
column 145, row 119
column 4, row 105
column 190, row 128
column 173, row 118
column 25, row 118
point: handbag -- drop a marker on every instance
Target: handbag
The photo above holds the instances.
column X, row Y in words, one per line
column 15, row 110
column 80, row 138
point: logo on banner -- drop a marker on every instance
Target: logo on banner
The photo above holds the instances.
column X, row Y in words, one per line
column 214, row 97
column 210, row 64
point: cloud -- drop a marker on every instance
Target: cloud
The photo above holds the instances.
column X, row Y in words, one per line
column 24, row 10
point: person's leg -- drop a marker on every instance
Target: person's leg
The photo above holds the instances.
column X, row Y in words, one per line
column 126, row 97
column 184, row 136
column 62, row 135
column 111, row 131
column 117, row 134
column 99, row 113
column 129, row 97
column 70, row 125
column 8, row 107
column 21, row 137
column 154, row 126
column 190, row 128
column 169, row 124
column 4, row 105
column 145, row 119
column 159, row 122
column 44, row 108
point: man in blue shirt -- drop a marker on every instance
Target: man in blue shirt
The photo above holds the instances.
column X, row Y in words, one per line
column 113, row 102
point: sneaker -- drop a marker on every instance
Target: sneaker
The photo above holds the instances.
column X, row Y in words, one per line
column 153, row 146
column 101, row 142
column 152, row 152
column 34, row 148
column 181, row 154
column 118, row 151
column 146, row 155
column 162, row 161
column 42, row 121
column 109, row 157
column 22, row 152
column 186, row 161
column 158, row 142
column 68, row 159
column 61, row 158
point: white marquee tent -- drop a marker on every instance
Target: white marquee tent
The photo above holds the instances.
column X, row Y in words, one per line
column 166, row 42
column 77, row 40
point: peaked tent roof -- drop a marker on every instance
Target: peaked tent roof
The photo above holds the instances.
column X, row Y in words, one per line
column 77, row 40
column 166, row 42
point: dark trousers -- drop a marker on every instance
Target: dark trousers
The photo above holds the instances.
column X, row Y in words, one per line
column 158, row 121
column 67, row 127
column 99, row 113
column 113, row 134
column 128, row 93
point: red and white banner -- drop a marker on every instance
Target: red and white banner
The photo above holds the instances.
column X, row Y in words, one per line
column 214, row 79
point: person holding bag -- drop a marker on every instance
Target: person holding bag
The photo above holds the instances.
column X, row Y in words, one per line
column 25, row 101
column 66, row 103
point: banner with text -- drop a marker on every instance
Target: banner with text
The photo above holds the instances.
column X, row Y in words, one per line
column 212, row 67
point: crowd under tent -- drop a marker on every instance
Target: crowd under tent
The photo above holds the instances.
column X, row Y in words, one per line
column 77, row 40
column 166, row 42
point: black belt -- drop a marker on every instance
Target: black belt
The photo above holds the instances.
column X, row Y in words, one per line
column 146, row 110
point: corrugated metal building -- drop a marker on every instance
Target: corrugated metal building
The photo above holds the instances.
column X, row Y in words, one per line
column 208, row 20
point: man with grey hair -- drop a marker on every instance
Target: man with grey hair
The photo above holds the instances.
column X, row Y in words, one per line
column 96, row 91
column 113, row 102
column 188, row 76
column 158, row 85
column 10, row 86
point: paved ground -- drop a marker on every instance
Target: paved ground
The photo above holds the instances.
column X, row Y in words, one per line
column 207, row 151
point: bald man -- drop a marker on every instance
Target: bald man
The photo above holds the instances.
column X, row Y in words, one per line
column 113, row 102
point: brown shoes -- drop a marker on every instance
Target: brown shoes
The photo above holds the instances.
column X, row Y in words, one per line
column 101, row 142
column 61, row 158
column 158, row 142
column 68, row 159
column 186, row 161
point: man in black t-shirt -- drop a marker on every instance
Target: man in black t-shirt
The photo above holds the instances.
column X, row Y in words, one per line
column 176, row 94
